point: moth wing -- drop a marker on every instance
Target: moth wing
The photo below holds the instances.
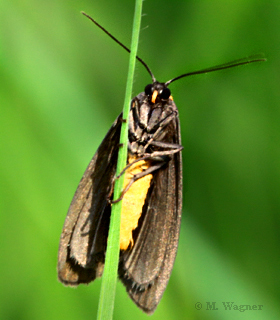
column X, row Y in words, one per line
column 84, row 236
column 145, row 269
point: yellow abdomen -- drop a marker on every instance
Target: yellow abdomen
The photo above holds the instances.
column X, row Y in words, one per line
column 133, row 201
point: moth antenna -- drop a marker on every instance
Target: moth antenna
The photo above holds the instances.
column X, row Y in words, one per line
column 254, row 58
column 121, row 44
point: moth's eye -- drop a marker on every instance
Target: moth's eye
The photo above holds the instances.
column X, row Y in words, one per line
column 149, row 89
column 165, row 93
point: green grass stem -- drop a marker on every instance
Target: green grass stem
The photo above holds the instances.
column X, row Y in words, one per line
column 109, row 279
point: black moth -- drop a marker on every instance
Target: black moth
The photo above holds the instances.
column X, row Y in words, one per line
column 152, row 198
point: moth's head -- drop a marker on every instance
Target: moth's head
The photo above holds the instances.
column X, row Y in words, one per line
column 157, row 92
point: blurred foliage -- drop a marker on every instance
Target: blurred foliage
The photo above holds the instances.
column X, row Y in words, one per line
column 62, row 86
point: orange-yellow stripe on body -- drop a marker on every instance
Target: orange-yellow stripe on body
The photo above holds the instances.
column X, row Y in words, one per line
column 154, row 96
column 133, row 201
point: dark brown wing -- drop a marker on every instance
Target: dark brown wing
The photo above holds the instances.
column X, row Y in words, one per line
column 146, row 268
column 84, row 236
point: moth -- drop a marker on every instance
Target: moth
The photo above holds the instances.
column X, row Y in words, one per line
column 152, row 197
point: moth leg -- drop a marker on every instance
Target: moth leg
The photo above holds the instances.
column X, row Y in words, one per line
column 139, row 176
column 155, row 154
column 167, row 145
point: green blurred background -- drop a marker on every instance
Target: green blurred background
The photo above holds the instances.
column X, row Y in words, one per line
column 62, row 86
